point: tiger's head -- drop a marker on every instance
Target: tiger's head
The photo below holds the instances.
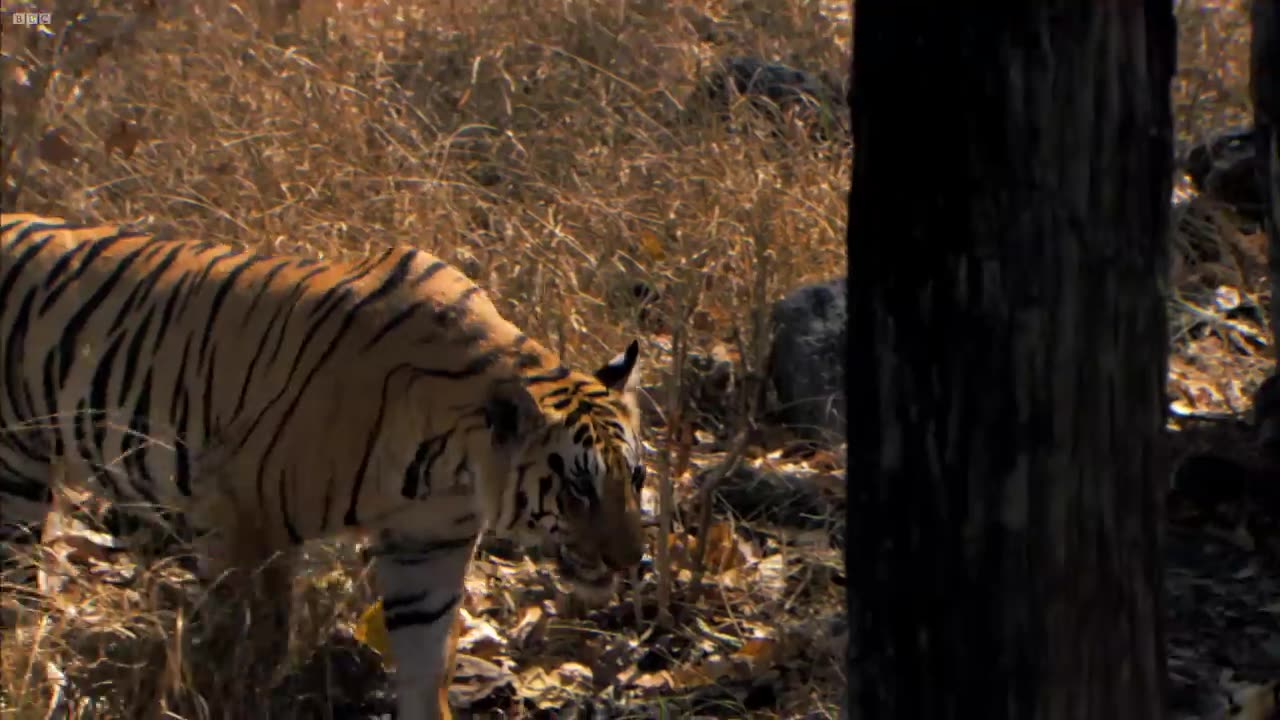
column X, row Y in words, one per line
column 575, row 470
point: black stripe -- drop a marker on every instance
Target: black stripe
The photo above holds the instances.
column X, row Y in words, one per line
column 301, row 391
column 372, row 261
column 522, row 500
column 180, row 382
column 338, row 291
column 285, row 309
column 137, row 442
column 412, row 551
column 413, row 474
column 351, row 517
column 198, row 286
column 12, row 224
column 15, row 385
column 528, row 361
column 79, row 437
column 180, row 408
column 64, row 262
column 257, row 355
column 393, row 280
column 97, row 247
column 182, row 469
column 210, row 424
column 399, row 319
column 556, row 392
column 132, row 355
column 220, row 297
column 431, row 271
column 476, row 367
column 556, row 374
column 454, row 312
column 420, row 617
column 294, row 537
column 391, row 603
column 89, row 306
column 142, row 289
column 584, row 408
column 328, row 503
column 289, row 307
column 98, row 392
column 174, row 291
column 33, row 489
column 15, row 270
column 49, row 389
column 267, row 279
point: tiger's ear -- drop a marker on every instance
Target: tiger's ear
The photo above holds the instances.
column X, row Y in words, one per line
column 620, row 374
column 511, row 413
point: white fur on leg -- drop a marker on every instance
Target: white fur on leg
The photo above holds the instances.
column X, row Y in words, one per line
column 421, row 584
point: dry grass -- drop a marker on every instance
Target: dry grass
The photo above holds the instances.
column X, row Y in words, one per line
column 551, row 151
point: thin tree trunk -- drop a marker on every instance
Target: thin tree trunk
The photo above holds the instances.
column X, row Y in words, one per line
column 1265, row 86
column 1007, row 250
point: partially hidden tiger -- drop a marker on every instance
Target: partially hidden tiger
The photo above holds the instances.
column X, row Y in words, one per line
column 298, row 399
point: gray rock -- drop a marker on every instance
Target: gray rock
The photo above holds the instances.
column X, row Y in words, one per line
column 1227, row 169
column 779, row 499
column 771, row 87
column 806, row 364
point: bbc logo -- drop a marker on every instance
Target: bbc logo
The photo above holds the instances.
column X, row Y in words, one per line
column 31, row 18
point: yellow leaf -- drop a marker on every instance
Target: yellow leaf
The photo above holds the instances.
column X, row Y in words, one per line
column 371, row 629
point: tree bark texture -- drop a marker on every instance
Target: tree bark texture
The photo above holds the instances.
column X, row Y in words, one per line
column 1265, row 86
column 1008, row 259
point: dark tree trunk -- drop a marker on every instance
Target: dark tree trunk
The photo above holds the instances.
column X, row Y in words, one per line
column 1265, row 83
column 1007, row 256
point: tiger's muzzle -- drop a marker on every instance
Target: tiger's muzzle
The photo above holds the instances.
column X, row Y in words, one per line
column 590, row 565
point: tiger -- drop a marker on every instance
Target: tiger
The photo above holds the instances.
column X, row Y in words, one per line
column 284, row 399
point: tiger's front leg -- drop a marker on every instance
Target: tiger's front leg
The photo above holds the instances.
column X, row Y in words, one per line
column 421, row 584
